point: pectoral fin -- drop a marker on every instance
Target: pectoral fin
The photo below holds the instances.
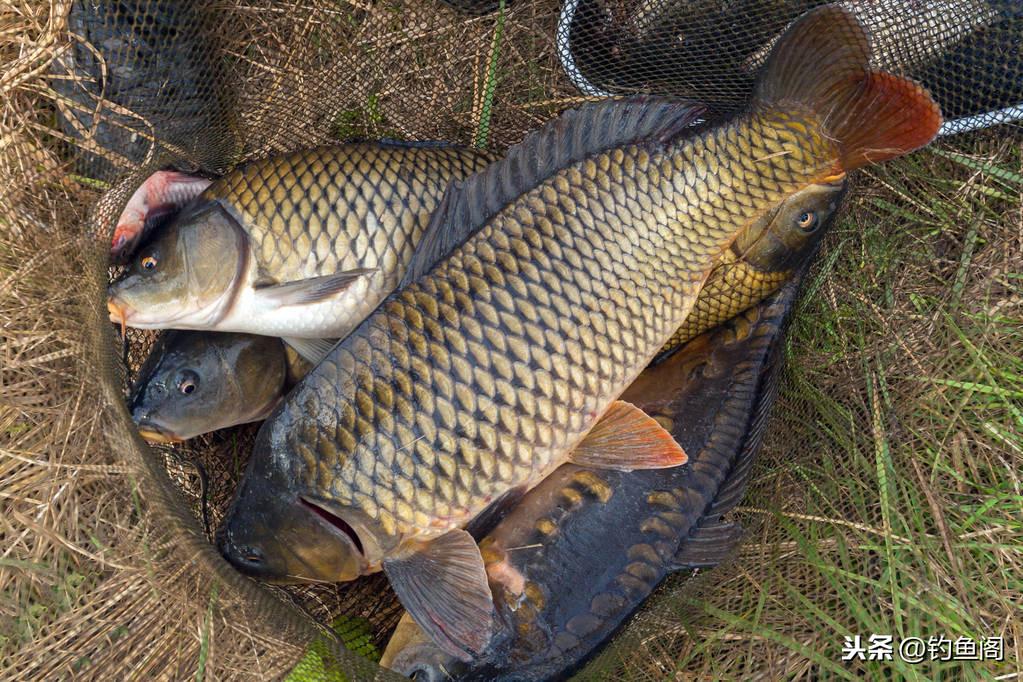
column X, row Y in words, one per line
column 443, row 586
column 314, row 289
column 627, row 438
column 311, row 350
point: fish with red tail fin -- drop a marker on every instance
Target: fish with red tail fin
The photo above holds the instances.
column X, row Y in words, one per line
column 515, row 330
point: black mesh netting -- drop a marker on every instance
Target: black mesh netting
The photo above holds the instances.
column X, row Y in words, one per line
column 140, row 85
column 967, row 52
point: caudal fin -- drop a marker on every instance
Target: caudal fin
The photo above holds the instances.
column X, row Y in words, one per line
column 822, row 64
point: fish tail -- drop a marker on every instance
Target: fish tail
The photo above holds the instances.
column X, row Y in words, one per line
column 822, row 64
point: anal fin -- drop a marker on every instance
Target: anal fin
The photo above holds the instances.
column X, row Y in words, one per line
column 627, row 438
column 314, row 289
column 443, row 585
column 708, row 545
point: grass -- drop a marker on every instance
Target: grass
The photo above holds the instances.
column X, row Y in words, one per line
column 204, row 644
column 888, row 497
column 490, row 85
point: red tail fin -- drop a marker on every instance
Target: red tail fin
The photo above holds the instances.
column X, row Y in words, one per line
column 822, row 63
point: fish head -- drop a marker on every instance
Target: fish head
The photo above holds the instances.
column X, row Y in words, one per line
column 196, row 382
column 280, row 531
column 411, row 652
column 186, row 276
column 777, row 240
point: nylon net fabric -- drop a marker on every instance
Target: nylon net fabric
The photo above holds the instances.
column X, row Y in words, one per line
column 966, row 52
column 120, row 89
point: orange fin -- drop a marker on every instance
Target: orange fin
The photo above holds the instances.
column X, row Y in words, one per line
column 627, row 438
column 903, row 116
column 822, row 63
column 442, row 583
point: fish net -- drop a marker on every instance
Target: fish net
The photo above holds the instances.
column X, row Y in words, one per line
column 107, row 568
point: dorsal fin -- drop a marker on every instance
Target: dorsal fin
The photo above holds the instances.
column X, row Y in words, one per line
column 708, row 545
column 592, row 128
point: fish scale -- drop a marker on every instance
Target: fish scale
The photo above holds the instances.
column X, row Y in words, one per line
column 301, row 246
column 572, row 260
column 291, row 204
column 734, row 286
column 557, row 599
column 605, row 256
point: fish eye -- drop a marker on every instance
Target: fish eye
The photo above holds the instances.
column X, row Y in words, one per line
column 807, row 221
column 148, row 262
column 188, row 382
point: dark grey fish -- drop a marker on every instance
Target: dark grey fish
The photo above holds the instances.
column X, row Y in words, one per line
column 196, row 382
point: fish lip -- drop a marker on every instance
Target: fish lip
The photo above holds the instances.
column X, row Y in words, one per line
column 157, row 434
column 325, row 517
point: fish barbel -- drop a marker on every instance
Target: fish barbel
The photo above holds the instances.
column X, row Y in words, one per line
column 302, row 245
column 584, row 548
column 502, row 353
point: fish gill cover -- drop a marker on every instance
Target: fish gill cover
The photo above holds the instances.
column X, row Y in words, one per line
column 100, row 94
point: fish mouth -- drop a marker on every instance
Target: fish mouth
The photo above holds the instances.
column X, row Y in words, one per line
column 335, row 523
column 155, row 434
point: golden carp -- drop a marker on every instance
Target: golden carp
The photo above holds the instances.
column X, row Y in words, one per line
column 502, row 354
column 302, row 245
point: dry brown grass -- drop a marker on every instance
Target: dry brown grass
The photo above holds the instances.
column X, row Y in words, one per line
column 105, row 572
column 101, row 578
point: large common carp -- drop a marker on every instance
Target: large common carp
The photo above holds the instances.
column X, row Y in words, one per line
column 196, row 382
column 504, row 351
column 584, row 548
column 301, row 245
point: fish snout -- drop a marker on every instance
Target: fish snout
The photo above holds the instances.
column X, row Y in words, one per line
column 424, row 672
column 425, row 662
column 142, row 415
column 247, row 558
